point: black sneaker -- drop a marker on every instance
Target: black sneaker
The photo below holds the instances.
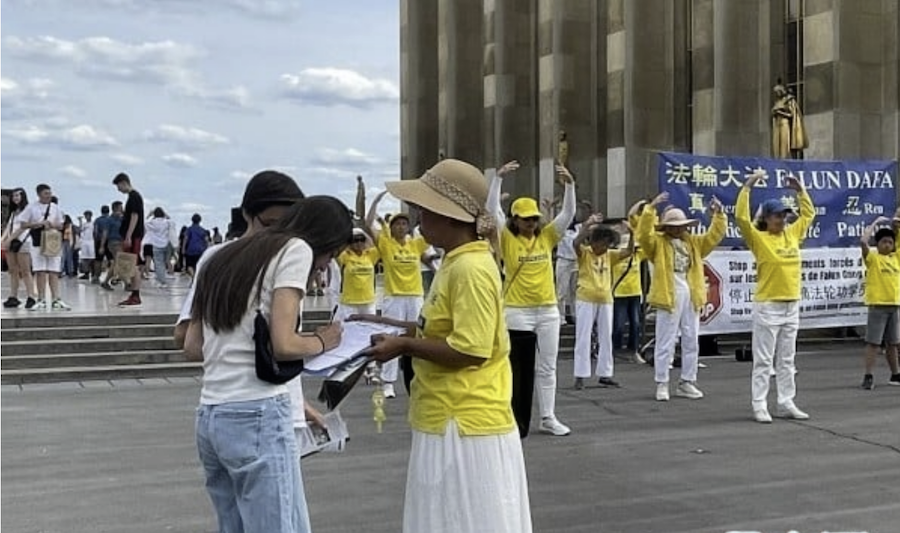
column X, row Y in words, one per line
column 29, row 303
column 895, row 379
column 868, row 382
column 608, row 382
column 11, row 302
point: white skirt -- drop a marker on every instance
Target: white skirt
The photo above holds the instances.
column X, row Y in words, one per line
column 466, row 484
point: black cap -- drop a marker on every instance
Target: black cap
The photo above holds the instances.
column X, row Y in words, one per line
column 268, row 188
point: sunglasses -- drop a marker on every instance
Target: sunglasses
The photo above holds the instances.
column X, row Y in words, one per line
column 532, row 219
column 358, row 239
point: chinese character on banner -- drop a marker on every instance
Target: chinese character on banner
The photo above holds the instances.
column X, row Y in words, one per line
column 677, row 174
column 730, row 177
column 704, row 176
column 852, row 207
column 697, row 203
column 791, row 202
column 764, row 181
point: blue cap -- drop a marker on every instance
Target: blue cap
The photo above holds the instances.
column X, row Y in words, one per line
column 774, row 205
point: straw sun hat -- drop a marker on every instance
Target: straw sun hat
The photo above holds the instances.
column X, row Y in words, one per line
column 675, row 217
column 453, row 189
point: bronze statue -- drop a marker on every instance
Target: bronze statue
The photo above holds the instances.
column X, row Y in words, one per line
column 563, row 149
column 788, row 133
column 360, row 198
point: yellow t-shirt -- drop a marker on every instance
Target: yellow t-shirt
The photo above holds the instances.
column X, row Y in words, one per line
column 358, row 276
column 882, row 278
column 595, row 275
column 631, row 283
column 529, row 266
column 402, row 275
column 777, row 256
column 465, row 308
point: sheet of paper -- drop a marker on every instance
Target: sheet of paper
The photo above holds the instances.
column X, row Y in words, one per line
column 332, row 438
column 356, row 337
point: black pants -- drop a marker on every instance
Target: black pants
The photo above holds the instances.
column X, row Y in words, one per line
column 522, row 349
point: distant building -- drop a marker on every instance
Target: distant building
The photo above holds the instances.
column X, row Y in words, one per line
column 492, row 80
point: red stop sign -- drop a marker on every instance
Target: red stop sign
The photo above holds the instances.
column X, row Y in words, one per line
column 713, row 294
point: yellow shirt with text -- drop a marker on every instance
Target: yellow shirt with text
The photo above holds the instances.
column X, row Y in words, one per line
column 465, row 308
column 402, row 272
column 631, row 282
column 595, row 275
column 777, row 255
column 882, row 278
column 529, row 268
column 358, row 276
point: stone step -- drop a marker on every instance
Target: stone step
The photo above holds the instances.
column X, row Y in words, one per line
column 129, row 331
column 97, row 359
column 53, row 375
column 76, row 346
column 62, row 319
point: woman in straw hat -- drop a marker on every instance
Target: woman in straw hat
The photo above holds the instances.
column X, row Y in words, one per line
column 466, row 471
column 526, row 248
column 776, row 309
column 401, row 255
column 678, row 287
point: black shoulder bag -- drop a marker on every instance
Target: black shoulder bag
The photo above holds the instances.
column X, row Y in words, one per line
column 268, row 368
column 37, row 232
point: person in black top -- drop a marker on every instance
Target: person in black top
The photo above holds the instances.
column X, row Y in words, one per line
column 132, row 232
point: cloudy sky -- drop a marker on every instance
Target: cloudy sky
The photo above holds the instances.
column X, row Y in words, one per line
column 191, row 98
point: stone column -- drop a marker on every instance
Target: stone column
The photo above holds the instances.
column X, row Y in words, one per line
column 850, row 66
column 460, row 98
column 418, row 86
column 510, row 94
column 616, row 59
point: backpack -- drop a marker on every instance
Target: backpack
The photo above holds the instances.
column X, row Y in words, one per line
column 196, row 241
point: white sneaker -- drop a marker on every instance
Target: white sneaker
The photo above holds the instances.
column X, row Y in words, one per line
column 662, row 392
column 40, row 305
column 552, row 426
column 762, row 416
column 637, row 359
column 388, row 389
column 687, row 389
column 60, row 305
column 791, row 411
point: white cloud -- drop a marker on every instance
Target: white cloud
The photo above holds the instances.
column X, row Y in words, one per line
column 166, row 63
column 348, row 157
column 241, row 175
column 334, row 86
column 127, row 159
column 275, row 10
column 72, row 170
column 81, row 137
column 186, row 138
column 179, row 160
column 28, row 100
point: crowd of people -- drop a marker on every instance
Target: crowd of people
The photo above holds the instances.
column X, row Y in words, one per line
column 44, row 244
column 494, row 274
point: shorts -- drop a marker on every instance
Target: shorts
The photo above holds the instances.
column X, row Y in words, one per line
column 42, row 263
column 135, row 248
column 190, row 261
column 99, row 253
column 112, row 248
column 148, row 251
column 883, row 325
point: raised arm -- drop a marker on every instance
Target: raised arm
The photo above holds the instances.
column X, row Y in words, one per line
column 493, row 200
column 369, row 227
column 742, row 210
column 567, row 213
column 592, row 222
column 807, row 210
column 709, row 240
column 866, row 237
column 646, row 230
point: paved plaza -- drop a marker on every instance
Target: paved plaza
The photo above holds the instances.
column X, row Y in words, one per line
column 119, row 456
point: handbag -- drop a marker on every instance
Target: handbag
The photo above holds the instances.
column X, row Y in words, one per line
column 51, row 243
column 125, row 265
column 268, row 368
column 14, row 246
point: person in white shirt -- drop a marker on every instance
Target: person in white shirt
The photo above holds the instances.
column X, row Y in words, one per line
column 86, row 250
column 244, row 425
column 18, row 258
column 157, row 236
column 41, row 216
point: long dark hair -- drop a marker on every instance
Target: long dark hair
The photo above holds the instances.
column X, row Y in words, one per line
column 13, row 206
column 228, row 280
column 514, row 228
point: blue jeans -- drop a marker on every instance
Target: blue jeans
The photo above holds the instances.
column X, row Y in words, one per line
column 252, row 466
column 160, row 264
column 627, row 309
column 68, row 259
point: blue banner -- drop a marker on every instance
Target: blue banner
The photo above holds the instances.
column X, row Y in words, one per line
column 848, row 195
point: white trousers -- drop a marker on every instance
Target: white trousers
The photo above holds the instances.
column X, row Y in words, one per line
column 544, row 322
column 587, row 315
column 566, row 283
column 345, row 310
column 685, row 320
column 405, row 308
column 775, row 326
